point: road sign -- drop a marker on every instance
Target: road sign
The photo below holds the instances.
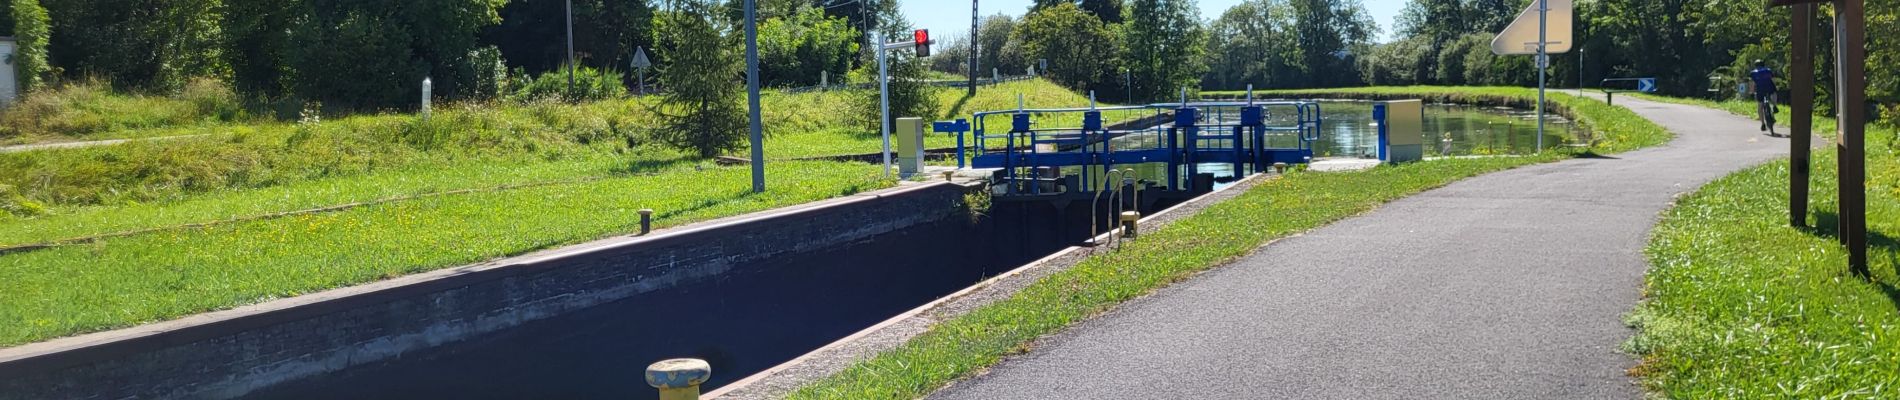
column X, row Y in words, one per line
column 1646, row 85
column 1521, row 37
column 640, row 58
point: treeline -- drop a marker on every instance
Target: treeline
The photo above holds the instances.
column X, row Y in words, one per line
column 373, row 54
column 1693, row 48
column 1150, row 49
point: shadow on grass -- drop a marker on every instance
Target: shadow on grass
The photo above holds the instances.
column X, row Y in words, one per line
column 703, row 204
column 1879, row 245
column 957, row 109
column 648, row 166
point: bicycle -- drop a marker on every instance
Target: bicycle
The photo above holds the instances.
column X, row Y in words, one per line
column 1765, row 110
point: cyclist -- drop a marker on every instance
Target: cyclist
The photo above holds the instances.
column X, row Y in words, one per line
column 1764, row 82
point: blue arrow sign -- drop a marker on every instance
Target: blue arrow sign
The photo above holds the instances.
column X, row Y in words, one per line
column 1646, row 85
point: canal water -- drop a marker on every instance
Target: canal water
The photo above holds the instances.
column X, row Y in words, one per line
column 1450, row 130
column 1348, row 131
column 745, row 321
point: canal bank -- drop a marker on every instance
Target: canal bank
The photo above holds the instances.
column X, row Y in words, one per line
column 232, row 353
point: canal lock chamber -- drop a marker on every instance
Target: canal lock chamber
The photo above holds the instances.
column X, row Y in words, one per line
column 751, row 318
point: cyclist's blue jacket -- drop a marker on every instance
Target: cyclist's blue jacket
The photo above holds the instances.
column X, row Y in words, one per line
column 1764, row 80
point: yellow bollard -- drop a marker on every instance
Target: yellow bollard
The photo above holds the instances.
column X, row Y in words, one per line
column 1131, row 221
column 679, row 378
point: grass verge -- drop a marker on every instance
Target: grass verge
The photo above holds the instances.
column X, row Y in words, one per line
column 126, row 281
column 1740, row 305
column 1298, row 202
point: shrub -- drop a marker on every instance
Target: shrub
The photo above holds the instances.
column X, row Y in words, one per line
column 85, row 108
column 212, row 100
column 31, row 31
column 13, row 204
column 910, row 96
column 589, row 84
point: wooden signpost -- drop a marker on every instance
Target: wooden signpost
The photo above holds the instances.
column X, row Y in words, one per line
column 1850, row 54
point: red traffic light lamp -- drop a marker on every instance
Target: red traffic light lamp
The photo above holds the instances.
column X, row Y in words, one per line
column 922, row 37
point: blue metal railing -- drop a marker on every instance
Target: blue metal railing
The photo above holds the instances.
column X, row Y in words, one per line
column 1182, row 135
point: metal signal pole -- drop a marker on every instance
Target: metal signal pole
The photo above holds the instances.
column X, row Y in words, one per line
column 752, row 94
column 570, row 47
column 1543, row 65
column 973, row 14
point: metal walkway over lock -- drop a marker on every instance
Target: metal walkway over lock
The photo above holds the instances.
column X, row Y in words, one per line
column 1042, row 152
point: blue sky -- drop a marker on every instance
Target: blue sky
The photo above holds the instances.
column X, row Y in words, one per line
column 947, row 18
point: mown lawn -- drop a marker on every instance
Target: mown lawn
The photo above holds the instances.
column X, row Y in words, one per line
column 1297, row 202
column 1741, row 305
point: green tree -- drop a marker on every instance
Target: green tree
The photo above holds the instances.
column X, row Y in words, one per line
column 993, row 44
column 795, row 50
column 1401, row 62
column 372, row 54
column 1328, row 32
column 532, row 33
column 1255, row 43
column 1163, row 47
column 1110, row 11
column 256, row 43
column 1080, row 48
column 1449, row 67
column 26, row 21
column 700, row 111
column 157, row 44
column 910, row 96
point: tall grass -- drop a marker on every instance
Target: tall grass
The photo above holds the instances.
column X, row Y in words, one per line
column 92, row 110
column 271, row 155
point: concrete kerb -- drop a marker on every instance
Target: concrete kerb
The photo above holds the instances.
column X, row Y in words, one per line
column 93, row 347
column 783, row 379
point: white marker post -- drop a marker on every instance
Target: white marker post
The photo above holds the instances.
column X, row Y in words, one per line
column 428, row 91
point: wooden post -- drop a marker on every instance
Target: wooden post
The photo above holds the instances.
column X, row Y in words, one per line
column 1801, row 108
column 1851, row 77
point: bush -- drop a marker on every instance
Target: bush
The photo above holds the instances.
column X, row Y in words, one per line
column 795, row 50
column 910, row 95
column 212, row 100
column 589, row 84
column 373, row 54
column 13, row 204
column 31, row 30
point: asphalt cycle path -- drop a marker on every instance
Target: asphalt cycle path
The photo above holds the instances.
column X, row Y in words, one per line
column 1508, row 285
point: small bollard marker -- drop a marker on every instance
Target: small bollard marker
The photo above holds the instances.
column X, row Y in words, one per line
column 1131, row 224
column 646, row 220
column 428, row 95
column 679, row 378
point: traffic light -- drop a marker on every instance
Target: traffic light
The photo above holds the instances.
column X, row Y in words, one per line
column 923, row 42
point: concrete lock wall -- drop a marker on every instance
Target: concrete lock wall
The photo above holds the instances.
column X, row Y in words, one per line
column 236, row 352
